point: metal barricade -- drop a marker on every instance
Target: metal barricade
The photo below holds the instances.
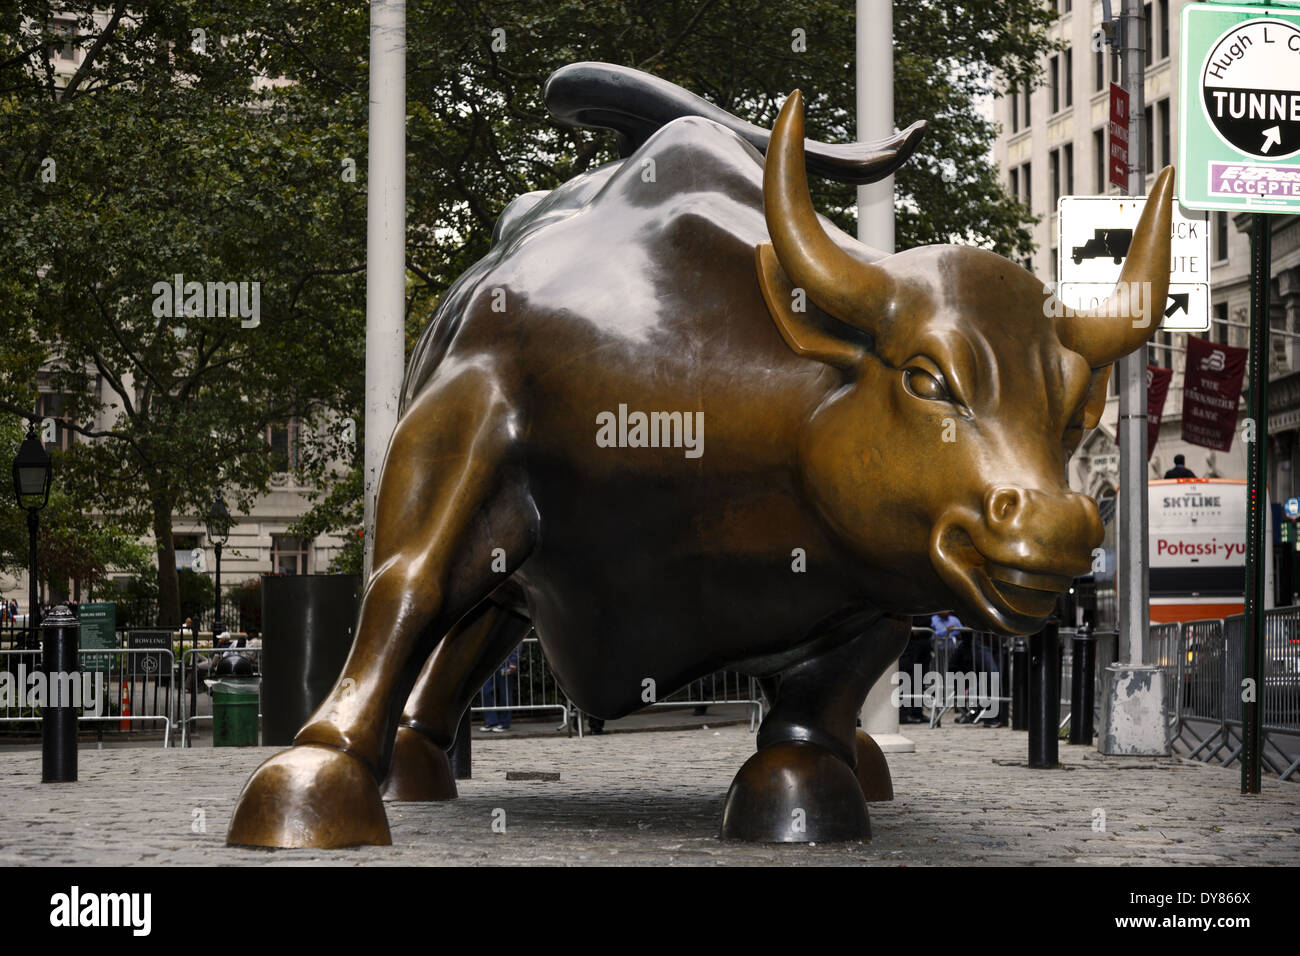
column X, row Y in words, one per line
column 1200, row 687
column 135, row 683
column 532, row 688
column 970, row 666
column 197, row 665
column 1162, row 650
column 720, row 687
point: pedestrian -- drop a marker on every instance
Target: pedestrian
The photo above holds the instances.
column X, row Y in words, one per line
column 1180, row 469
column 916, row 652
column 497, row 692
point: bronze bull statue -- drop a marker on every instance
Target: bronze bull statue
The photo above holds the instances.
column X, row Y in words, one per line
column 677, row 422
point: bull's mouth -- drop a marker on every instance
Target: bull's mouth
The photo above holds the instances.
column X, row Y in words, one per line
column 1012, row 599
column 1024, row 593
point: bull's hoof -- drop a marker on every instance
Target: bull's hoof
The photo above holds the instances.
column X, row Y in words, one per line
column 795, row 792
column 310, row 796
column 420, row 770
column 872, row 771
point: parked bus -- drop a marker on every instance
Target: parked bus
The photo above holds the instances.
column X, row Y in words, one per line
column 1196, row 551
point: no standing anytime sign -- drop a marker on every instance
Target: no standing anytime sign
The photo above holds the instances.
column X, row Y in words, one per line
column 1240, row 118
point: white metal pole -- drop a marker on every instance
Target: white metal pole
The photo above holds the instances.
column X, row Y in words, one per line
column 875, row 109
column 385, row 243
column 1133, row 720
column 1132, row 555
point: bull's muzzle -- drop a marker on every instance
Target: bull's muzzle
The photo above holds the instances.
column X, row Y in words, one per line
column 1010, row 560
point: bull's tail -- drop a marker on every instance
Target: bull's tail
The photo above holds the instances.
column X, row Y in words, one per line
column 635, row 105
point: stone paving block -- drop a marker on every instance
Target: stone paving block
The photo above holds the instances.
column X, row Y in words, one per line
column 964, row 797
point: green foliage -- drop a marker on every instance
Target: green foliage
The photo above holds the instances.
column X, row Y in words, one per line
column 170, row 160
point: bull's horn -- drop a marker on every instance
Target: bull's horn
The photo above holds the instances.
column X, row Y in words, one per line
column 844, row 286
column 1132, row 314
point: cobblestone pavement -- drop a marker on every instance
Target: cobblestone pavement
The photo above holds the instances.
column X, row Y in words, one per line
column 965, row 797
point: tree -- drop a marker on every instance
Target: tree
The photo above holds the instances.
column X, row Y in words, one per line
column 160, row 156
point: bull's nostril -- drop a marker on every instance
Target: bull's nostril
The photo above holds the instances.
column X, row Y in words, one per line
column 1003, row 504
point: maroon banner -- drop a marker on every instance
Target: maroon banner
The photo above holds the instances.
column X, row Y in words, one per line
column 1118, row 127
column 1157, row 390
column 1211, row 389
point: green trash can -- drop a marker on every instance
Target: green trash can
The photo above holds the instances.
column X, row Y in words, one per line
column 234, row 711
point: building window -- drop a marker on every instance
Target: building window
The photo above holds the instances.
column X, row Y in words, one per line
column 1026, row 110
column 288, row 554
column 1098, row 71
column 1147, row 34
column 50, row 405
column 1069, row 5
column 1054, row 71
column 1164, row 29
column 1162, row 108
column 1067, row 164
column 1221, row 321
column 1015, row 184
column 1221, row 242
column 1013, row 100
column 1148, row 115
column 1054, row 171
column 1069, row 77
column 1056, row 266
column 1099, row 154
column 283, row 440
column 184, row 546
column 1027, row 182
column 67, row 50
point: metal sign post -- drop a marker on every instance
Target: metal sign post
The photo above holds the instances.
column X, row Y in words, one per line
column 1256, row 491
column 1240, row 90
column 1132, row 720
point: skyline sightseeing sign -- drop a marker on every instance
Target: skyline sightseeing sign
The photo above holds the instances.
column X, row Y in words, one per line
column 1240, row 108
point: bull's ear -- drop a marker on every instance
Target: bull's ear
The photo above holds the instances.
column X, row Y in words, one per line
column 802, row 330
column 1096, row 403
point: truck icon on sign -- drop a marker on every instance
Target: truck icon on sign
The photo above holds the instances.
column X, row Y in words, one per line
column 1104, row 242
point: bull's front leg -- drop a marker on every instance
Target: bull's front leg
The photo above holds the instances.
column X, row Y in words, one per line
column 801, row 785
column 449, row 496
column 464, row 660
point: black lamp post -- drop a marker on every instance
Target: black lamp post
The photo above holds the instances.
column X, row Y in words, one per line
column 218, row 534
column 32, row 490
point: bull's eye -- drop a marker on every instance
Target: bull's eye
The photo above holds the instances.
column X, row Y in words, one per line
column 925, row 385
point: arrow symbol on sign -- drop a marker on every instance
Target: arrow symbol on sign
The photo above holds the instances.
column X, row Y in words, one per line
column 1180, row 301
column 1271, row 138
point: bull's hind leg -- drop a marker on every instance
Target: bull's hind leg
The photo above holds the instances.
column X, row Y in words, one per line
column 455, row 671
column 451, row 493
column 801, row 786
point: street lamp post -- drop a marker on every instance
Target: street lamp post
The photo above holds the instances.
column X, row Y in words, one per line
column 32, row 470
column 218, row 534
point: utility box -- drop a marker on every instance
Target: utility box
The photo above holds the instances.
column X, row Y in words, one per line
column 307, row 628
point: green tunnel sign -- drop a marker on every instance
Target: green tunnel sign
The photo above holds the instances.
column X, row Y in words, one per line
column 1240, row 100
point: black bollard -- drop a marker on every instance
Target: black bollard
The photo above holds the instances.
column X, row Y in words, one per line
column 62, row 681
column 1081, row 690
column 460, row 750
column 1020, row 685
column 1044, row 697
